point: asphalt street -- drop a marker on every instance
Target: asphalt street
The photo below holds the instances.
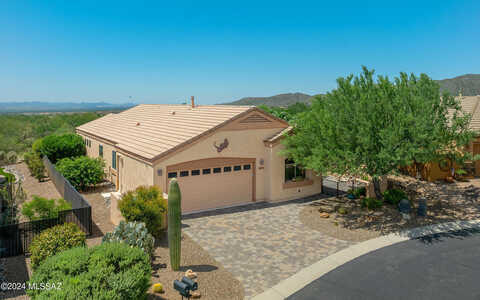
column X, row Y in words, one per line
column 441, row 266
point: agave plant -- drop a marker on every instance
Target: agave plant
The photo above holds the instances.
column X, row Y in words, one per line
column 134, row 234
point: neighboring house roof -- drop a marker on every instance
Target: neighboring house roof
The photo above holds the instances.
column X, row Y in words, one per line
column 278, row 136
column 470, row 104
column 150, row 130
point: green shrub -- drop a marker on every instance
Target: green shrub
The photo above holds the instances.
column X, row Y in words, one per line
column 57, row 147
column 82, row 171
column 9, row 176
column 371, row 203
column 145, row 204
column 55, row 240
column 132, row 233
column 393, row 196
column 11, row 157
column 42, row 208
column 356, row 193
column 108, row 271
column 35, row 165
column 3, row 157
column 37, row 146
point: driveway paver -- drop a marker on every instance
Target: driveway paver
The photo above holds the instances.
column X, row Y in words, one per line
column 261, row 244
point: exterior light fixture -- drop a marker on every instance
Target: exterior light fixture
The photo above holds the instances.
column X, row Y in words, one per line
column 159, row 172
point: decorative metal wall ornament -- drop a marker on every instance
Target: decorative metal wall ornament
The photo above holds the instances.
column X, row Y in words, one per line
column 222, row 146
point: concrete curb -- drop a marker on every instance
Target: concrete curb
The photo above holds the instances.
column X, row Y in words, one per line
column 298, row 281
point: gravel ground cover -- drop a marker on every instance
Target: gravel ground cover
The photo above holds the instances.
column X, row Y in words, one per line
column 214, row 281
column 445, row 203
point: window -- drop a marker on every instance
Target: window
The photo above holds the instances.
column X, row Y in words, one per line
column 183, row 173
column 195, row 172
column 114, row 160
column 172, row 175
column 293, row 172
column 206, row 171
column 100, row 150
column 237, row 168
column 246, row 167
column 227, row 169
column 217, row 170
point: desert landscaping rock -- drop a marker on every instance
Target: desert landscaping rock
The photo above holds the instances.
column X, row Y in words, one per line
column 444, row 202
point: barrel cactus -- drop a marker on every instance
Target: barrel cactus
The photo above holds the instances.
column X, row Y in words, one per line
column 174, row 223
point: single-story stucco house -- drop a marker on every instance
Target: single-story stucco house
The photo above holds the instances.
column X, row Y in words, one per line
column 222, row 155
column 438, row 171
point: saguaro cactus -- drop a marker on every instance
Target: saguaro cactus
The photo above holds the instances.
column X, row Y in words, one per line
column 174, row 223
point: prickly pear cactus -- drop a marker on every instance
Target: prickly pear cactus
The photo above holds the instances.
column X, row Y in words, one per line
column 174, row 223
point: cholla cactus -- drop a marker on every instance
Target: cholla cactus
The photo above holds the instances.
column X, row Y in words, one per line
column 134, row 234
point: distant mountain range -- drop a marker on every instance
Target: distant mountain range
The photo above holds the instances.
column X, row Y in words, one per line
column 277, row 100
column 38, row 106
column 468, row 85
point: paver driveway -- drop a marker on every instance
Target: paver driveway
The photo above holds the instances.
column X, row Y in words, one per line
column 262, row 243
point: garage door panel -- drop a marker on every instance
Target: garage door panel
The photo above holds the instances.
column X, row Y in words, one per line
column 215, row 190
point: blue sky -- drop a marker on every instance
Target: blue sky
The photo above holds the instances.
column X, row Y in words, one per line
column 163, row 52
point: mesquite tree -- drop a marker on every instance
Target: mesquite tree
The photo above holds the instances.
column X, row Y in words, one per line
column 371, row 126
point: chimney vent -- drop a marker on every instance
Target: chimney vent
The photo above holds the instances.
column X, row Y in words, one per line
column 193, row 101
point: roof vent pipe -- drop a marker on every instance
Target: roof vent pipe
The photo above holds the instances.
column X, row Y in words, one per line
column 193, row 101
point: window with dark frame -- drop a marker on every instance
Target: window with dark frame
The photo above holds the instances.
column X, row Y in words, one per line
column 217, row 170
column 293, row 172
column 195, row 172
column 114, row 160
column 100, row 150
column 246, row 167
column 172, row 175
column 227, row 169
column 183, row 173
column 206, row 171
column 237, row 168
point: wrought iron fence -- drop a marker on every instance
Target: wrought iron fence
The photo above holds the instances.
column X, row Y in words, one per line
column 15, row 239
column 335, row 187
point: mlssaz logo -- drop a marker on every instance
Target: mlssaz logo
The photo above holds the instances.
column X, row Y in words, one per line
column 221, row 146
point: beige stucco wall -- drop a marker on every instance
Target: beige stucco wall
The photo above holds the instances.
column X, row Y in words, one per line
column 278, row 191
column 242, row 144
column 246, row 144
column 92, row 151
column 133, row 172
column 270, row 177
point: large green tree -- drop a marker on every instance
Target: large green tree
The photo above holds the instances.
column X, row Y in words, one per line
column 374, row 125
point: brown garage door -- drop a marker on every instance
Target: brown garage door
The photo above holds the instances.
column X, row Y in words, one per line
column 214, row 183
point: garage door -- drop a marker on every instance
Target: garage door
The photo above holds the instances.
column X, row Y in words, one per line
column 214, row 183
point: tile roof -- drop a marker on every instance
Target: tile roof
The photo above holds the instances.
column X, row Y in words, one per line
column 471, row 105
column 149, row 130
column 278, row 135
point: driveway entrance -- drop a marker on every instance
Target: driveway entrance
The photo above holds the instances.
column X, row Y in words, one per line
column 261, row 244
column 440, row 266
